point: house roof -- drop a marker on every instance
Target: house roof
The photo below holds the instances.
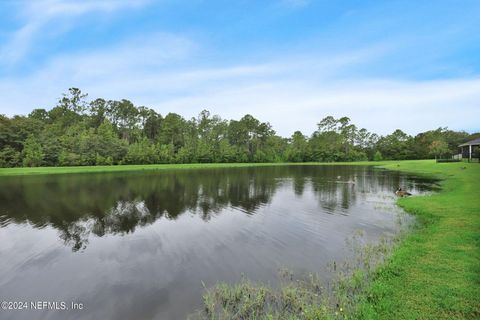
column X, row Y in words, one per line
column 474, row 142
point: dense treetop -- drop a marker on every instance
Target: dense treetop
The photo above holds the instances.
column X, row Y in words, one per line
column 107, row 132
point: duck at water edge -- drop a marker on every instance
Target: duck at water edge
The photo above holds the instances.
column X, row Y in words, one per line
column 402, row 193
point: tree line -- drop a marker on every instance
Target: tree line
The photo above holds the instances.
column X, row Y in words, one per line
column 78, row 132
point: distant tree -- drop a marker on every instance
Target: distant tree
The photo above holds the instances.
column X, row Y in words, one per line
column 74, row 101
column 349, row 134
column 453, row 139
column 226, row 152
column 248, row 135
column 32, row 153
column 166, row 153
column 422, row 143
column 109, row 145
column 142, row 152
column 51, row 147
column 297, row 149
column 126, row 115
column 16, row 130
column 98, row 112
column 327, row 143
column 396, row 146
column 103, row 161
column 9, row 157
column 377, row 156
column 39, row 114
column 172, row 131
column 151, row 124
column 274, row 149
column 5, row 131
column 438, row 148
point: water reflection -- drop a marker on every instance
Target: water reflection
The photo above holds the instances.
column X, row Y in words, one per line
column 99, row 204
column 143, row 243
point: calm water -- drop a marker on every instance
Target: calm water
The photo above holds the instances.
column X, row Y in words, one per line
column 139, row 245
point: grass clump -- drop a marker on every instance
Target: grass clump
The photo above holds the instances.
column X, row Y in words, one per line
column 307, row 297
column 293, row 299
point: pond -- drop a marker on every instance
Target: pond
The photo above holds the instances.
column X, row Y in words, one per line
column 142, row 245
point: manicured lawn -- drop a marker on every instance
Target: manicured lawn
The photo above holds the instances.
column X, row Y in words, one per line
column 122, row 168
column 435, row 272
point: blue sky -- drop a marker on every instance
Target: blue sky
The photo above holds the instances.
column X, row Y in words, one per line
column 413, row 65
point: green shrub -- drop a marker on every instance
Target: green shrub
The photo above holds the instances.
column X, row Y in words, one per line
column 377, row 156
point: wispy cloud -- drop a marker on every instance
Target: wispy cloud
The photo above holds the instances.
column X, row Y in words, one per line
column 293, row 84
column 379, row 105
column 53, row 8
column 38, row 15
column 149, row 54
column 292, row 92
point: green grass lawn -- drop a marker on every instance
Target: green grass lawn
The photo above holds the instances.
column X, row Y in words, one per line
column 435, row 271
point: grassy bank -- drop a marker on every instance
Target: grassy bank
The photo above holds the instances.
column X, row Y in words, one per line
column 153, row 167
column 435, row 272
column 128, row 168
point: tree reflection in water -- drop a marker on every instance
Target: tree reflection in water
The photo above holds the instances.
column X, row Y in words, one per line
column 84, row 204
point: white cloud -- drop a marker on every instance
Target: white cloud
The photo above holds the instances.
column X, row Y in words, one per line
column 39, row 14
column 381, row 106
column 147, row 54
column 53, row 8
column 292, row 92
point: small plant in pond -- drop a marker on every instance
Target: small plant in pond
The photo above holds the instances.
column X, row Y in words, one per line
column 304, row 297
